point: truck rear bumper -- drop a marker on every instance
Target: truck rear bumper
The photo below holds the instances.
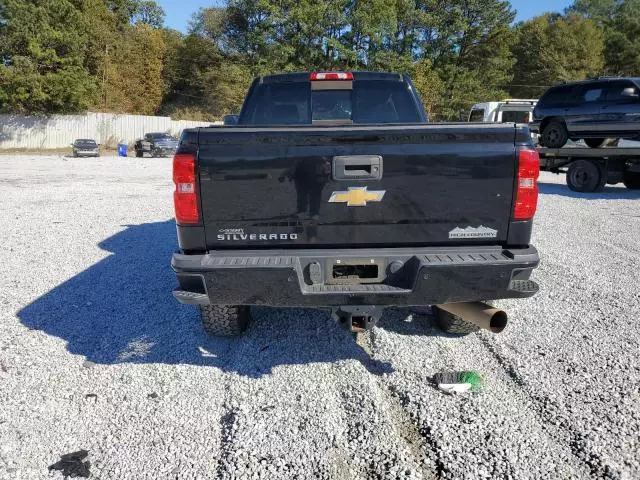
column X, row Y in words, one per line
column 422, row 276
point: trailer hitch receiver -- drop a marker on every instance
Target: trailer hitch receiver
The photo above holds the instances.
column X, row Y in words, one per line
column 357, row 318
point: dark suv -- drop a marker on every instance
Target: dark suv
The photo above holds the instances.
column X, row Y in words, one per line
column 593, row 110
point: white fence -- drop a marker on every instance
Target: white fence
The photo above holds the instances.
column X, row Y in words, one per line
column 58, row 131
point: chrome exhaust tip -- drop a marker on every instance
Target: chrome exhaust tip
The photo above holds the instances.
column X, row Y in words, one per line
column 480, row 314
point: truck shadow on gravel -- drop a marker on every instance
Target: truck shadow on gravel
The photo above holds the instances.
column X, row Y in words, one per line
column 608, row 193
column 121, row 310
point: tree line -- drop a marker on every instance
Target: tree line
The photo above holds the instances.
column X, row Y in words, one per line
column 67, row 56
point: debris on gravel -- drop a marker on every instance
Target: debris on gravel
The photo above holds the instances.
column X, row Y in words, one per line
column 96, row 356
column 73, row 465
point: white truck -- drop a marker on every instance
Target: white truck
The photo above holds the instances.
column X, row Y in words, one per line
column 506, row 111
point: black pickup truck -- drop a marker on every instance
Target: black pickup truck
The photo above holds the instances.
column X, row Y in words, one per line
column 333, row 192
column 157, row 144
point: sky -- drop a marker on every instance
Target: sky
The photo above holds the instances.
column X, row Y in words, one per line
column 179, row 11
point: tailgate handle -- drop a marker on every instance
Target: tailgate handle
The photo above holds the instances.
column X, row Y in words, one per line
column 357, row 167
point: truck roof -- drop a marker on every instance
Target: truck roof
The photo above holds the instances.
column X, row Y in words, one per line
column 588, row 81
column 516, row 102
column 305, row 77
column 306, row 98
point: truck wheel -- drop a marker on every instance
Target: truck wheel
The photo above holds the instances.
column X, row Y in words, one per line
column 631, row 180
column 452, row 324
column 595, row 142
column 555, row 135
column 139, row 153
column 225, row 320
column 585, row 176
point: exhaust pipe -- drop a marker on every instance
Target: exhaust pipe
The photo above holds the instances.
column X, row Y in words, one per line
column 479, row 313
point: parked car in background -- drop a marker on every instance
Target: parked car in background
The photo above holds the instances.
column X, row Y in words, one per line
column 593, row 110
column 85, row 147
column 158, row 144
column 510, row 110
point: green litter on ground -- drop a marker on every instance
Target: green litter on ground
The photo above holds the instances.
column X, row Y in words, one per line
column 459, row 382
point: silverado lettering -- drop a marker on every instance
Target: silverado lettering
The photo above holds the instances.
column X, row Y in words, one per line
column 256, row 236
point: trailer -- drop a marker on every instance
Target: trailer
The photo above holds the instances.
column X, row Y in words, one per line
column 590, row 169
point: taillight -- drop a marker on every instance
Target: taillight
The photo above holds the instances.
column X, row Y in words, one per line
column 314, row 76
column 527, row 186
column 184, row 197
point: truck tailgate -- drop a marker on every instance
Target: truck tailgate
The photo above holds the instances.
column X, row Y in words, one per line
column 356, row 186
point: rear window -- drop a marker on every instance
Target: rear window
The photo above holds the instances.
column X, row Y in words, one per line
column 294, row 103
column 515, row 116
column 382, row 101
column 279, row 104
column 331, row 105
column 476, row 115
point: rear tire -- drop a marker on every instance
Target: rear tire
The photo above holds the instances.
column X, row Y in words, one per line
column 585, row 176
column 595, row 142
column 452, row 324
column 555, row 135
column 225, row 320
column 631, row 180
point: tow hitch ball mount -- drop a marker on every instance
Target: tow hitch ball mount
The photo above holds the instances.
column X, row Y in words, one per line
column 357, row 318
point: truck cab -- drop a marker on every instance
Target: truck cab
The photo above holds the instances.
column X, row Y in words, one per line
column 509, row 110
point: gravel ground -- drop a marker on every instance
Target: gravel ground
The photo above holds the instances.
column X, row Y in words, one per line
column 96, row 355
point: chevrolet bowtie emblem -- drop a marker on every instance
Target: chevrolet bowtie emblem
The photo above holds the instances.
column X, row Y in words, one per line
column 357, row 196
